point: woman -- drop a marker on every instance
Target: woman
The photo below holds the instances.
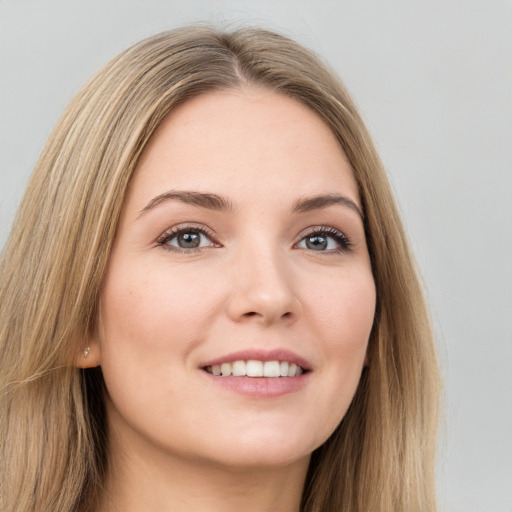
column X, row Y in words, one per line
column 208, row 299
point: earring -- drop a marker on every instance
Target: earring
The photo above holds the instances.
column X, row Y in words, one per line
column 86, row 352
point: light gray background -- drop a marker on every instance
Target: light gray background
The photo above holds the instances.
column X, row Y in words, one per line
column 433, row 80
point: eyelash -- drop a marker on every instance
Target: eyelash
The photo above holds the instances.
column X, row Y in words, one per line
column 329, row 232
column 178, row 230
column 339, row 237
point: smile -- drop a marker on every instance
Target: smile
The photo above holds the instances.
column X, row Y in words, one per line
column 255, row 368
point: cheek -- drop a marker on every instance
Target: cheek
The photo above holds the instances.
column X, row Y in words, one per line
column 150, row 323
column 341, row 308
column 345, row 309
column 344, row 315
column 151, row 307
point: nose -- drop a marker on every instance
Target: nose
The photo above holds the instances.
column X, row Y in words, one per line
column 262, row 290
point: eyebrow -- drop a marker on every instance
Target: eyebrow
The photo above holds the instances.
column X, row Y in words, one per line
column 203, row 200
column 219, row 203
column 308, row 204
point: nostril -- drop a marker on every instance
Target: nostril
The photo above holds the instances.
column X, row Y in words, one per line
column 288, row 314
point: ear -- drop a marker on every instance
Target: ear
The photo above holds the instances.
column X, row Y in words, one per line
column 89, row 355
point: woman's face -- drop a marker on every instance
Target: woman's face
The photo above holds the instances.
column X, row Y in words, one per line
column 241, row 239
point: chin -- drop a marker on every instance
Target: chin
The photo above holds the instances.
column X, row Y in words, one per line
column 252, row 460
column 274, row 450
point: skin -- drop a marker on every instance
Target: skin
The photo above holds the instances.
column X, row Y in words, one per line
column 178, row 440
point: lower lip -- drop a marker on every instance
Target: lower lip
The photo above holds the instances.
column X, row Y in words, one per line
column 261, row 387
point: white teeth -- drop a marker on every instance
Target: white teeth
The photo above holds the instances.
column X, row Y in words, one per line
column 271, row 369
column 239, row 368
column 254, row 368
column 225, row 369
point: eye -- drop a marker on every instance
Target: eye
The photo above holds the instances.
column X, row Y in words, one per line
column 185, row 239
column 325, row 239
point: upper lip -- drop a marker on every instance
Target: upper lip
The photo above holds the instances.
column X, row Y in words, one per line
column 278, row 354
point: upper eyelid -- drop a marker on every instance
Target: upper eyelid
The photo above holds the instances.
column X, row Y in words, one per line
column 175, row 230
column 332, row 232
column 192, row 226
column 321, row 229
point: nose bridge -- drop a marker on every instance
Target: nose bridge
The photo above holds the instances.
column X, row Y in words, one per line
column 262, row 284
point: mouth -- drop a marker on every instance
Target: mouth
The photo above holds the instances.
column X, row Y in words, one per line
column 255, row 368
column 259, row 374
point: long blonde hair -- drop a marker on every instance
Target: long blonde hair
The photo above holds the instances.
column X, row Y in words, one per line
column 52, row 425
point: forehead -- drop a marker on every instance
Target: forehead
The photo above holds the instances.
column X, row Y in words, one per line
column 242, row 142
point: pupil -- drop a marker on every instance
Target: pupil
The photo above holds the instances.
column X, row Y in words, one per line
column 316, row 243
column 189, row 240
